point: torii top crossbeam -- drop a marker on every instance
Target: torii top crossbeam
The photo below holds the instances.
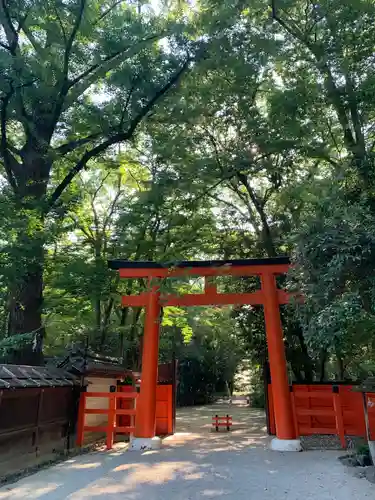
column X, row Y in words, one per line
column 208, row 270
column 238, row 267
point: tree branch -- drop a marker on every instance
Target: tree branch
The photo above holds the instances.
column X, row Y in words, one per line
column 112, row 206
column 10, row 30
column 36, row 46
column 61, row 24
column 107, row 11
column 5, row 46
column 65, row 86
column 228, row 204
column 252, row 218
column 11, row 165
column 119, row 137
column 92, row 73
column 87, row 232
column 355, row 115
column 267, row 237
column 69, row 45
column 72, row 145
column 329, row 82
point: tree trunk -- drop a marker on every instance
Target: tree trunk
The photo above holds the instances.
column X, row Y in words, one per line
column 26, row 289
column 124, row 315
column 340, row 368
column 307, row 362
column 322, row 365
column 26, row 299
column 105, row 322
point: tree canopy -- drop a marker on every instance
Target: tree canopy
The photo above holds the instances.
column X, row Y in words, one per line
column 188, row 130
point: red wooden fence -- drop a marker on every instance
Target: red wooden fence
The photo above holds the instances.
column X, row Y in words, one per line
column 125, row 404
column 164, row 410
column 121, row 413
column 112, row 411
column 328, row 409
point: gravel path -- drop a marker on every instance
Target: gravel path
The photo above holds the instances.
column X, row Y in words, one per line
column 197, row 464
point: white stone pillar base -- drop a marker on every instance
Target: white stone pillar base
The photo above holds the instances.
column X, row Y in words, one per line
column 145, row 444
column 371, row 445
column 285, row 444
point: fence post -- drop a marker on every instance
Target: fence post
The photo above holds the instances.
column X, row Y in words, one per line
column 338, row 415
column 81, row 418
column 294, row 410
column 111, row 420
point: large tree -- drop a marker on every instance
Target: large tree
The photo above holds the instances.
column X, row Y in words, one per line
column 77, row 78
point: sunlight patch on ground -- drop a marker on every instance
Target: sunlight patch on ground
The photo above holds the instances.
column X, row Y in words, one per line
column 214, row 493
column 31, row 492
column 138, row 475
column 92, row 465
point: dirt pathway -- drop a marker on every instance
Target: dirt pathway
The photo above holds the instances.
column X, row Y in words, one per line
column 198, row 464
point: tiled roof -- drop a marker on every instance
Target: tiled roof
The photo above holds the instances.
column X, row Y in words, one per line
column 367, row 385
column 21, row 376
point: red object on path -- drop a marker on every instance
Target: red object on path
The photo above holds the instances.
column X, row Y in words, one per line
column 222, row 421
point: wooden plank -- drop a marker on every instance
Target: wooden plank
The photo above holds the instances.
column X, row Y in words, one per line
column 39, row 412
column 125, row 411
column 229, row 270
column 125, row 395
column 354, row 431
column 211, row 299
column 95, row 428
column 105, row 411
column 81, row 419
column 111, row 420
column 313, row 395
column 339, row 418
column 117, row 395
column 170, row 409
column 124, row 430
column 204, row 299
column 294, row 410
column 96, row 411
column 271, row 411
column 309, row 412
column 97, row 394
column 316, row 430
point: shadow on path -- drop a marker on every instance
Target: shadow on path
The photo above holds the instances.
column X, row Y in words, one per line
column 197, row 464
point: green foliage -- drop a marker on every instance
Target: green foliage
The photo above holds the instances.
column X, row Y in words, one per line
column 219, row 130
column 208, row 362
column 334, row 270
column 12, row 346
column 257, row 395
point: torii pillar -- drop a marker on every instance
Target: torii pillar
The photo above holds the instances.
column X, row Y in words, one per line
column 286, row 439
column 144, row 438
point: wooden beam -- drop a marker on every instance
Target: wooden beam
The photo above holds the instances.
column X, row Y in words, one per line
column 226, row 270
column 205, row 299
column 213, row 299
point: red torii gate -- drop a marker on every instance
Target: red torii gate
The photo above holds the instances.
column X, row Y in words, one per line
column 268, row 295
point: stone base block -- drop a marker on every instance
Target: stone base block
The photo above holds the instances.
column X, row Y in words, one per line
column 145, row 444
column 285, row 444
